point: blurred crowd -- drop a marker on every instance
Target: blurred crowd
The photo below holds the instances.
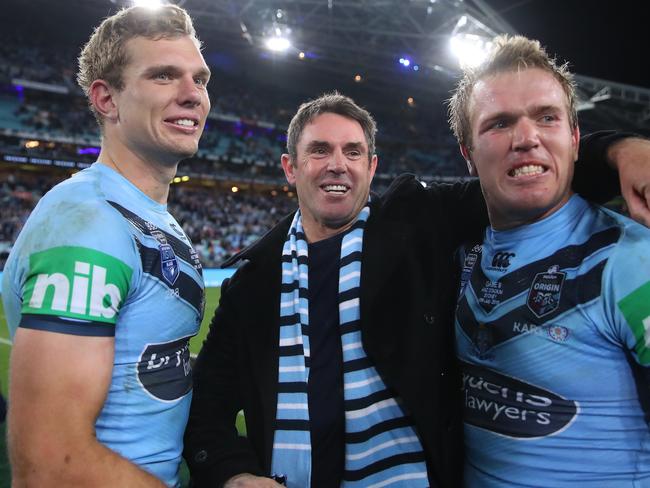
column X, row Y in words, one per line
column 219, row 222
column 43, row 115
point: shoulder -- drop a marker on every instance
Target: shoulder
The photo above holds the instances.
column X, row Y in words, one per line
column 74, row 219
column 628, row 265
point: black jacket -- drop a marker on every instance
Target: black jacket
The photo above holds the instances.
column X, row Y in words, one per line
column 408, row 291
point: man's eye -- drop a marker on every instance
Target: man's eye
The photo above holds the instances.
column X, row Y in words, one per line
column 548, row 118
column 164, row 76
column 201, row 81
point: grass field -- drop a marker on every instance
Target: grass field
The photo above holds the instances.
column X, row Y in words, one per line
column 212, row 299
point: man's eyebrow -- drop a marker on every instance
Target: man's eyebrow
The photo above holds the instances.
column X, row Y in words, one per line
column 503, row 115
column 159, row 68
column 539, row 109
column 355, row 145
column 315, row 143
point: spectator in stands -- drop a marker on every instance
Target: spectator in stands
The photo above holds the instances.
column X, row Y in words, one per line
column 102, row 289
column 558, row 331
column 335, row 335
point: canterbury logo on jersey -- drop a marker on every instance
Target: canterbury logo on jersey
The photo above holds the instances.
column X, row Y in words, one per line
column 76, row 282
column 501, row 260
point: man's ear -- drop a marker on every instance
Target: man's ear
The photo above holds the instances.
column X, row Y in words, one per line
column 575, row 137
column 289, row 169
column 464, row 150
column 102, row 99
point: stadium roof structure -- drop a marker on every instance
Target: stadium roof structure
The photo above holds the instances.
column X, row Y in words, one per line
column 345, row 38
column 341, row 39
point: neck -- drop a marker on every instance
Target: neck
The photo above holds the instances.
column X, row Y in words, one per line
column 315, row 232
column 150, row 178
column 509, row 220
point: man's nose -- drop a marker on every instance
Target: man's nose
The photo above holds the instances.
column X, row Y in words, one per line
column 525, row 135
column 336, row 162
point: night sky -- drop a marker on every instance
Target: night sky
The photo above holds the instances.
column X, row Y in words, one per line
column 603, row 39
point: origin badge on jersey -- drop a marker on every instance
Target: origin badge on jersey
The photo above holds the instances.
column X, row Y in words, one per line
column 76, row 283
column 636, row 310
column 545, row 292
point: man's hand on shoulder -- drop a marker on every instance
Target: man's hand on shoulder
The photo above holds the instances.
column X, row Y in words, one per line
column 247, row 480
column 631, row 156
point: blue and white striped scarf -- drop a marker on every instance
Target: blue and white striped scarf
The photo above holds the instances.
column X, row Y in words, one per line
column 381, row 446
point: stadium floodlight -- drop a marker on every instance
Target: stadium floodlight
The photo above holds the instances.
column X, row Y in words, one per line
column 276, row 35
column 470, row 41
column 470, row 49
column 277, row 43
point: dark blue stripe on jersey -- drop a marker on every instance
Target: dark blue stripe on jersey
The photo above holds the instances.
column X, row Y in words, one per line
column 580, row 290
column 188, row 289
column 61, row 325
column 566, row 258
column 181, row 249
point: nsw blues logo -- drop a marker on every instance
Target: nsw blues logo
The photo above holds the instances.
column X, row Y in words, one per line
column 545, row 292
column 168, row 264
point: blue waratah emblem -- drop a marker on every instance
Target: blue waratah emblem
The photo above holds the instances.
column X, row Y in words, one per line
column 168, row 264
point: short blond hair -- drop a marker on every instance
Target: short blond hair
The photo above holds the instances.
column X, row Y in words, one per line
column 104, row 56
column 508, row 53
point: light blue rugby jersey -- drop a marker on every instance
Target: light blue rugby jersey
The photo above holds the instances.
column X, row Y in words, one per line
column 98, row 257
column 552, row 334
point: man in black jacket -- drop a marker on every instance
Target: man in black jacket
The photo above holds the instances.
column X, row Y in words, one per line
column 334, row 337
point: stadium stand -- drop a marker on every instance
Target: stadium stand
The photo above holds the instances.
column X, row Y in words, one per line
column 48, row 133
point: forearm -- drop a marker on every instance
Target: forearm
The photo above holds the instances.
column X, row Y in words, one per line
column 54, row 406
column 48, row 461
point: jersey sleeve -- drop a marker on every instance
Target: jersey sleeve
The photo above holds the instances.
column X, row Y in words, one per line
column 627, row 293
column 74, row 269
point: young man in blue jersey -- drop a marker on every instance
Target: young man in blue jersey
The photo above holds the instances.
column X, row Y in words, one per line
column 554, row 305
column 102, row 290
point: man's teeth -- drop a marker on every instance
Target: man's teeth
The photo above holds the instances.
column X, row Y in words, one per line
column 340, row 188
column 530, row 169
column 186, row 122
